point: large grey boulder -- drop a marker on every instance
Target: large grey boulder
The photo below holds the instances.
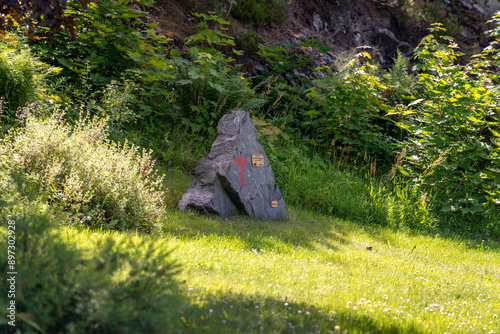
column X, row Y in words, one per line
column 236, row 175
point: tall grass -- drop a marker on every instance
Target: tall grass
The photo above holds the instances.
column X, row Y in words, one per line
column 357, row 193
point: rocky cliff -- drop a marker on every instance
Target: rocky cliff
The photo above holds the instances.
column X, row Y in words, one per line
column 384, row 25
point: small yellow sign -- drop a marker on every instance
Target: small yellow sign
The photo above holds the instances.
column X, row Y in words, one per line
column 274, row 204
column 257, row 160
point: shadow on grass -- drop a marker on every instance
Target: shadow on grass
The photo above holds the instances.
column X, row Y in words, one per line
column 239, row 313
column 304, row 230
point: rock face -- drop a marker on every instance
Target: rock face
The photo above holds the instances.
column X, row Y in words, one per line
column 486, row 7
column 236, row 174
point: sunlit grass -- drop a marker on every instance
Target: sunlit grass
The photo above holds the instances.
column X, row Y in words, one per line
column 314, row 273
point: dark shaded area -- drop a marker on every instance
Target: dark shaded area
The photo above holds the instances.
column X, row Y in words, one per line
column 38, row 13
column 260, row 234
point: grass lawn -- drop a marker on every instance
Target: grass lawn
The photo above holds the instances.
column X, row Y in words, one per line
column 319, row 274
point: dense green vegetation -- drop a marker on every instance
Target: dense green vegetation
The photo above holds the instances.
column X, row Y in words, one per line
column 99, row 133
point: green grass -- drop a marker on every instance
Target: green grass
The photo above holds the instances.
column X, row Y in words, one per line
column 314, row 273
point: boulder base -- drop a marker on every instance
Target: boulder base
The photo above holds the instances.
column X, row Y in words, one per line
column 236, row 175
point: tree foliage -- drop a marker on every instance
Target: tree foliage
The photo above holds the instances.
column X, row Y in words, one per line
column 454, row 127
column 37, row 13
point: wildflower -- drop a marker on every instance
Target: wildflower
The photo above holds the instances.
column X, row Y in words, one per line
column 337, row 328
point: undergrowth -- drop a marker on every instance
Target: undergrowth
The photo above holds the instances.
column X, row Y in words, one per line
column 100, row 182
column 108, row 284
column 261, row 12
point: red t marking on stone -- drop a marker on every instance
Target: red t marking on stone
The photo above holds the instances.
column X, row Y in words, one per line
column 241, row 161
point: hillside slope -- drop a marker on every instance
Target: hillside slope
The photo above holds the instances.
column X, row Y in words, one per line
column 384, row 25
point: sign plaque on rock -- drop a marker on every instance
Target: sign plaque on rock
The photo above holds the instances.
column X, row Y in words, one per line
column 236, row 175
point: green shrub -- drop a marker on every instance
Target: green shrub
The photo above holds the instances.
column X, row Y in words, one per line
column 101, row 182
column 261, row 12
column 211, row 85
column 69, row 282
column 286, row 85
column 115, row 44
column 208, row 88
column 20, row 75
column 249, row 41
column 454, row 127
column 350, row 112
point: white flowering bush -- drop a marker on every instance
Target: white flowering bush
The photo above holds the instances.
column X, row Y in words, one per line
column 100, row 182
